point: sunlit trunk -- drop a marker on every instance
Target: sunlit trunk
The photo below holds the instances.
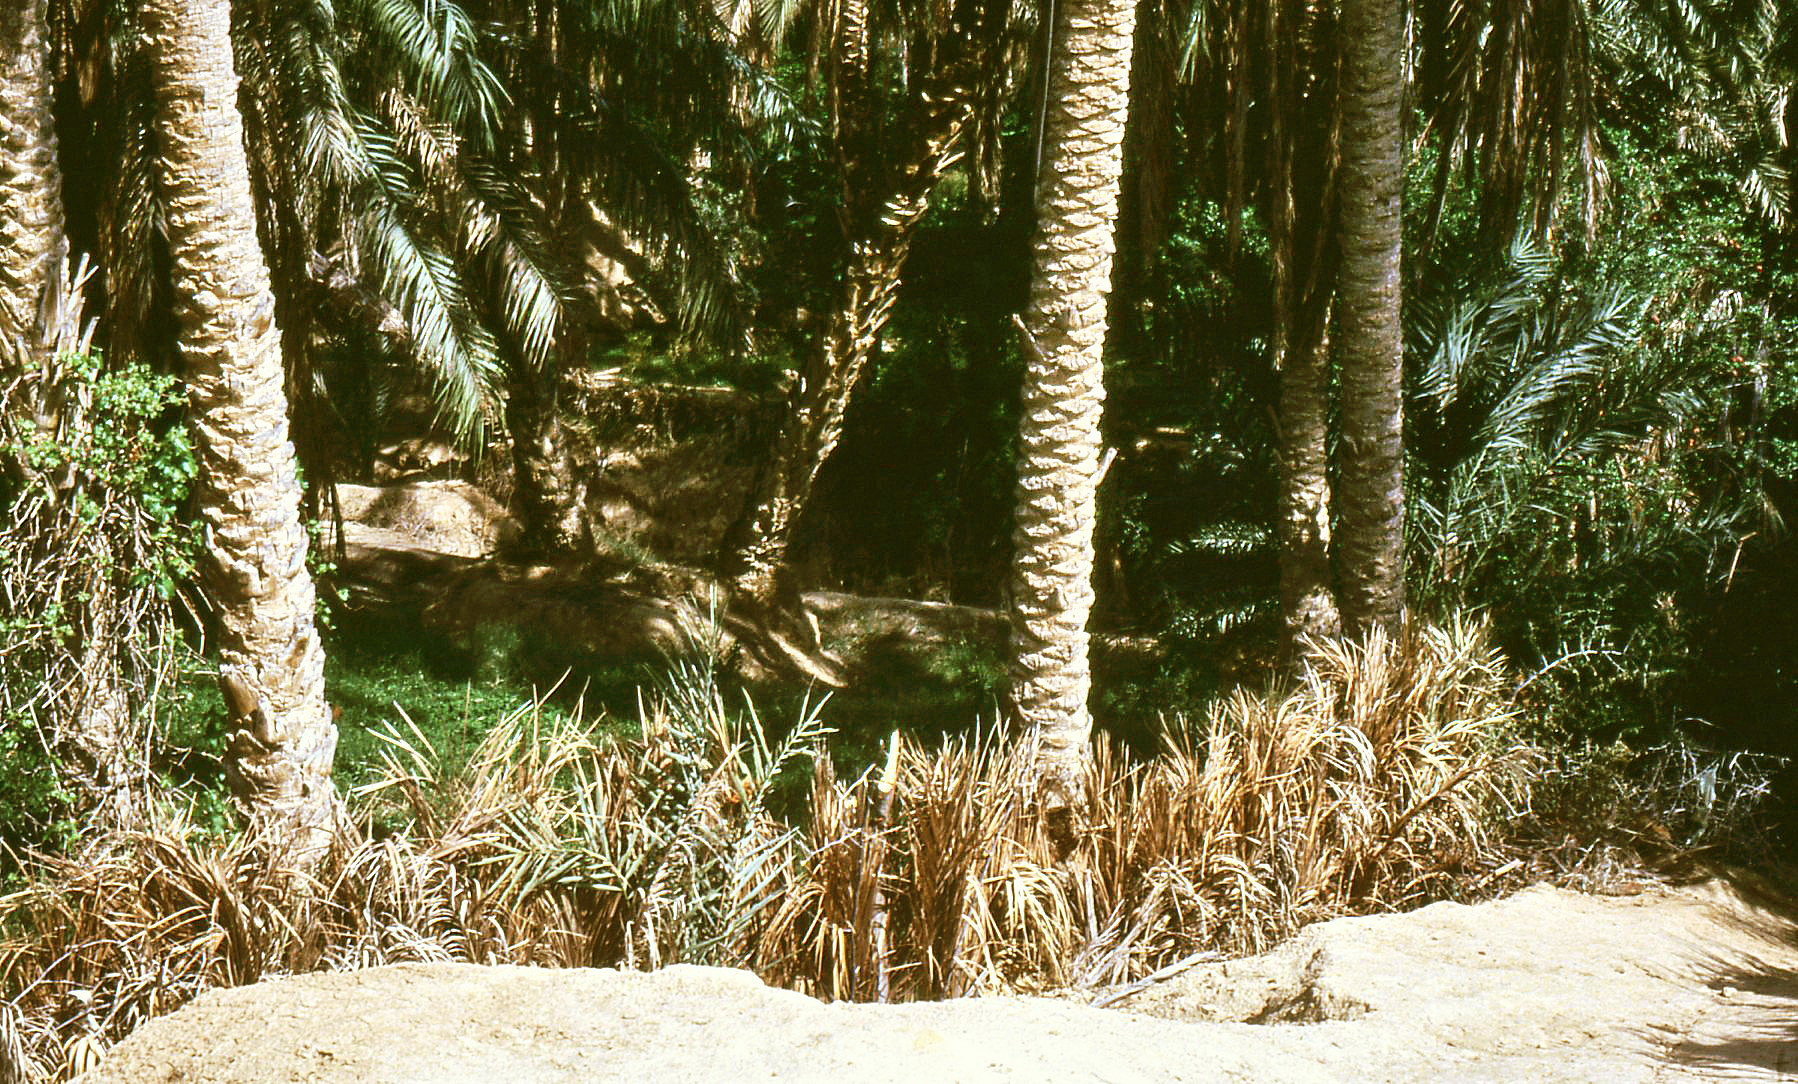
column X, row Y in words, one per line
column 1307, row 597
column 31, row 218
column 281, row 737
column 1064, row 393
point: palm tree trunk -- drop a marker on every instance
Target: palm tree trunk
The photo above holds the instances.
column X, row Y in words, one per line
column 1299, row 218
column 545, row 494
column 281, row 737
column 31, row 216
column 1064, row 393
column 757, row 547
column 1369, row 341
column 1307, row 598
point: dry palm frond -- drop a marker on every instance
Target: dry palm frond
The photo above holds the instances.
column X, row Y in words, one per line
column 1366, row 787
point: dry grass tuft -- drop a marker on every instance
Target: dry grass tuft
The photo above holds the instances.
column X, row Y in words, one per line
column 1369, row 786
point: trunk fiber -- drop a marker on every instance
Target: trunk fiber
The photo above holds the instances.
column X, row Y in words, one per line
column 31, row 217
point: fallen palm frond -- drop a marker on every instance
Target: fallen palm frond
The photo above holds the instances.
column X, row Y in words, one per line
column 1367, row 787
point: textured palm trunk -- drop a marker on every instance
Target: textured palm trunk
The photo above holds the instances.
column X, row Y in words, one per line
column 849, row 71
column 1370, row 492
column 281, row 737
column 757, row 548
column 545, row 494
column 31, row 218
column 1307, row 598
column 1064, row 393
column 547, row 498
column 1299, row 224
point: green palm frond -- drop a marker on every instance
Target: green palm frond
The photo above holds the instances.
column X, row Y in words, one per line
column 1521, row 366
column 1562, row 361
column 433, row 46
column 1229, row 538
column 132, row 215
column 499, row 231
column 1724, row 70
column 1554, row 444
column 346, row 177
column 1226, row 608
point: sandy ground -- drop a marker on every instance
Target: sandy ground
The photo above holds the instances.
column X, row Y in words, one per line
column 1695, row 983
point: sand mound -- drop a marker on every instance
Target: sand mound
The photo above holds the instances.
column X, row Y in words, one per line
column 1696, row 983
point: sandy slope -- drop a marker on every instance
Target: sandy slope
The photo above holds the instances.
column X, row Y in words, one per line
column 1697, row 983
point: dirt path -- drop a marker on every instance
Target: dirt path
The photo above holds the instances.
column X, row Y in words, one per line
column 1697, row 983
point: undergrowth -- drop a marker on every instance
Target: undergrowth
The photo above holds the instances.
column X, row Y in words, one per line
column 1373, row 785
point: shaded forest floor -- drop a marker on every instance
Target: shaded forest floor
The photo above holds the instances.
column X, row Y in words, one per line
column 1689, row 983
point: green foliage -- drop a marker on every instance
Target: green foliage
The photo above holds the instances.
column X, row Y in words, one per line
column 38, row 809
column 451, row 690
column 916, row 500
column 1189, row 506
column 125, row 453
column 1577, row 466
column 189, row 747
column 92, row 554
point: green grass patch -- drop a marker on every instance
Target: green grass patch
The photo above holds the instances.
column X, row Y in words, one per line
column 453, row 690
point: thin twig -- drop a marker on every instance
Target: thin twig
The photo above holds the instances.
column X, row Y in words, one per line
column 1173, row 970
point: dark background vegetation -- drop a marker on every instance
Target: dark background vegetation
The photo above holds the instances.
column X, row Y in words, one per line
column 1603, row 424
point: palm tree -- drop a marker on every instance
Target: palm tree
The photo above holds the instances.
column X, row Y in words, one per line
column 1064, row 332
column 961, row 63
column 1509, row 92
column 281, row 738
column 624, row 104
column 1264, row 81
column 1300, row 198
column 30, row 182
column 373, row 132
column 1370, row 342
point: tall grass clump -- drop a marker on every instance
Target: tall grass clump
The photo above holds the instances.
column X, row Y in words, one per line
column 1370, row 786
column 701, row 839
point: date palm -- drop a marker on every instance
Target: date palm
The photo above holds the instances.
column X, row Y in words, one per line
column 30, row 181
column 427, row 175
column 281, row 738
column 1261, row 87
column 632, row 112
column 889, row 152
column 370, row 131
column 1511, row 93
column 1064, row 330
column 1370, row 343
